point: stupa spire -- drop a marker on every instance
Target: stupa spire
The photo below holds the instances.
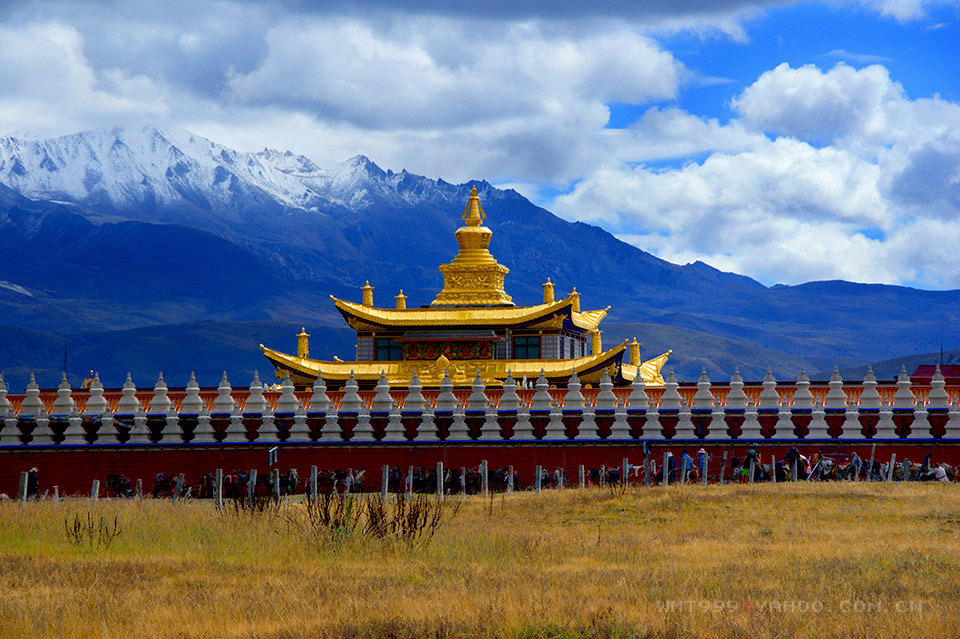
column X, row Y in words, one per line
column 473, row 278
column 473, row 214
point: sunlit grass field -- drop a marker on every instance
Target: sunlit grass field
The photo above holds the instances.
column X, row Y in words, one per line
column 806, row 560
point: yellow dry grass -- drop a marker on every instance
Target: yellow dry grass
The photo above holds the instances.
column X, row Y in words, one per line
column 804, row 560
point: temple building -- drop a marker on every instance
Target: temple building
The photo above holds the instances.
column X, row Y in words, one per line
column 472, row 325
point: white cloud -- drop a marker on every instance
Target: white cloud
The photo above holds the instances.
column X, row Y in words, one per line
column 862, row 58
column 439, row 73
column 924, row 251
column 48, row 83
column 811, row 105
column 860, row 110
column 922, row 180
column 781, row 211
column 665, row 133
column 877, row 201
column 906, row 10
column 512, row 103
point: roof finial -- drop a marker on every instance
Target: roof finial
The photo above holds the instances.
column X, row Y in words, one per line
column 548, row 297
column 367, row 294
column 303, row 343
column 473, row 214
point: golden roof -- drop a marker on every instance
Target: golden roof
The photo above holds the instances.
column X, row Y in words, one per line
column 472, row 296
column 462, row 372
column 500, row 316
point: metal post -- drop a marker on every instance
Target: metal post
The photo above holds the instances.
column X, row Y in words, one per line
column 276, row 484
column 440, row 480
column 646, row 469
column 753, row 468
column 22, row 492
column 410, row 481
column 704, row 463
column 56, row 495
column 484, row 479
column 795, row 469
column 559, row 475
column 463, row 482
column 252, row 485
column 625, row 472
column 537, row 481
column 313, row 482
column 873, row 449
column 95, row 490
column 218, row 488
column 510, row 479
column 603, row 475
column 666, row 469
column 773, row 468
column 856, row 471
column 893, row 461
column 139, row 490
column 723, row 467
column 581, row 477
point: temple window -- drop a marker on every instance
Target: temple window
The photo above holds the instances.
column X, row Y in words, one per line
column 526, row 347
column 388, row 349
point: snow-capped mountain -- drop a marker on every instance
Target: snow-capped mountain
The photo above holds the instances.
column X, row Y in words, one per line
column 145, row 170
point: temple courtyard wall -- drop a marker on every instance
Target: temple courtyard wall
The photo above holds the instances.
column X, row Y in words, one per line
column 74, row 467
column 76, row 436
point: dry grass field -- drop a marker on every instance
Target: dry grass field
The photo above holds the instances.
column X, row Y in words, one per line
column 804, row 560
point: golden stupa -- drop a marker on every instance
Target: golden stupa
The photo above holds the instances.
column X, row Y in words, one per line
column 472, row 325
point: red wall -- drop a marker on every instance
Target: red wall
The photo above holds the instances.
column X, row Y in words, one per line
column 73, row 468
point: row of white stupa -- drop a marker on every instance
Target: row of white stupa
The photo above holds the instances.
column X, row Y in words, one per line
column 130, row 416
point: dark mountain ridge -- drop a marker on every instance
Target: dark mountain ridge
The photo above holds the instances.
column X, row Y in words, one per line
column 140, row 230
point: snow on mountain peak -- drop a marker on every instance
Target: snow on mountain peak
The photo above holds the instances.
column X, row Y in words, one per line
column 126, row 166
column 288, row 162
column 121, row 169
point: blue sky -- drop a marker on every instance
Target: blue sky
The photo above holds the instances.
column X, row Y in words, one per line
column 922, row 54
column 785, row 141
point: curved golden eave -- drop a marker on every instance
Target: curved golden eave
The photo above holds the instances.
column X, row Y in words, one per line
column 505, row 316
column 648, row 370
column 589, row 320
column 462, row 372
